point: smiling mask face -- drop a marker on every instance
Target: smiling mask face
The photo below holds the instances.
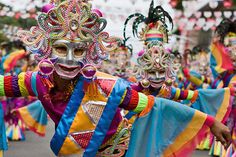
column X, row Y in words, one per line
column 70, row 58
column 154, row 64
column 69, row 39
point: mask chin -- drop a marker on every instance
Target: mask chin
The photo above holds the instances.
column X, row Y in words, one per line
column 65, row 76
column 156, row 85
column 67, row 72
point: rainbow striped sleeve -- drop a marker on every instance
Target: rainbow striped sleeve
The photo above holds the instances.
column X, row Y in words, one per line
column 179, row 94
column 136, row 102
column 18, row 86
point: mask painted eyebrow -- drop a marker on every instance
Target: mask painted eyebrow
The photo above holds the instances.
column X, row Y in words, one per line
column 61, row 42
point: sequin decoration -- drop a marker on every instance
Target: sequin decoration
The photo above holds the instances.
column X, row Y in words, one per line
column 72, row 20
column 106, row 85
column 82, row 139
column 94, row 110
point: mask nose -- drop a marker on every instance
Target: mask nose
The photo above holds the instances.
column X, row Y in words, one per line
column 69, row 57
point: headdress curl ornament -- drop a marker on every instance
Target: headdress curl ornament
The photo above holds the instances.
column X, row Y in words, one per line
column 155, row 24
column 161, row 63
column 69, row 20
column 155, row 65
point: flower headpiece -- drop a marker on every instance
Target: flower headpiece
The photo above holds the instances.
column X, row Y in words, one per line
column 155, row 66
column 151, row 63
column 156, row 28
column 71, row 20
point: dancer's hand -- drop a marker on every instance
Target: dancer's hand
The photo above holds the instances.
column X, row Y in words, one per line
column 222, row 133
column 233, row 90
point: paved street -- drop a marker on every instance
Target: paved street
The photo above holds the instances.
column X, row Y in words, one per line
column 36, row 146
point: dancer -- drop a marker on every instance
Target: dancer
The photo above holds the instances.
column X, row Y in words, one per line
column 223, row 68
column 84, row 103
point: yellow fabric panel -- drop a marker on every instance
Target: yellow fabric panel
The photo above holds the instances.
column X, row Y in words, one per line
column 104, row 75
column 30, row 122
column 81, row 122
column 187, row 134
column 69, row 147
column 224, row 106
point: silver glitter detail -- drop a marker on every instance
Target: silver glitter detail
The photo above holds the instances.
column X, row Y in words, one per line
column 94, row 110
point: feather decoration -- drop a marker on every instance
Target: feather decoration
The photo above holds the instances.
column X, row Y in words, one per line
column 155, row 14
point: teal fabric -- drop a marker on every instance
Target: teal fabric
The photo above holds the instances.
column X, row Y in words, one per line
column 209, row 101
column 3, row 139
column 198, row 76
column 34, row 83
column 213, row 64
column 37, row 112
column 153, row 133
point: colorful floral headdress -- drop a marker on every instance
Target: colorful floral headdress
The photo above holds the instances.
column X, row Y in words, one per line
column 226, row 30
column 154, row 58
column 70, row 20
column 156, row 28
column 230, row 39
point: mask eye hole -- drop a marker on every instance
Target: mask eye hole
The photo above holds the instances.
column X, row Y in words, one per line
column 60, row 50
column 78, row 52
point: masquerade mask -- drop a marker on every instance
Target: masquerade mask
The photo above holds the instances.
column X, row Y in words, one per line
column 70, row 57
column 72, row 33
column 155, row 66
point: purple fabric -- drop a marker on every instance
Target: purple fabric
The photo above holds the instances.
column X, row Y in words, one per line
column 141, row 53
column 181, row 97
column 137, row 87
column 126, row 99
column 15, row 87
column 114, row 125
column 55, row 110
column 215, row 83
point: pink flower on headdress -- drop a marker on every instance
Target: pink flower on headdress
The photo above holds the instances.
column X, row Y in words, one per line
column 168, row 50
column 98, row 12
column 46, row 8
column 141, row 53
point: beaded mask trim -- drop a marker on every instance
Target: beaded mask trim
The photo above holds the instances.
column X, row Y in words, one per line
column 71, row 20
